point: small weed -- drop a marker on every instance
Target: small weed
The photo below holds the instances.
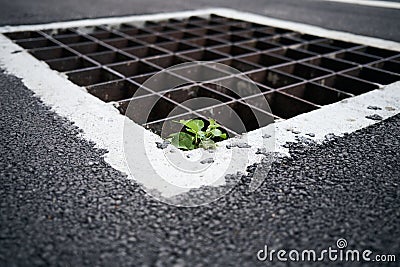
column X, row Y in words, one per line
column 194, row 135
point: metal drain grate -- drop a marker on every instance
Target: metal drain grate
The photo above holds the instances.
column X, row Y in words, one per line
column 296, row 72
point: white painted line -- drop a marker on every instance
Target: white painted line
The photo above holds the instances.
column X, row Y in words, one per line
column 372, row 3
column 102, row 123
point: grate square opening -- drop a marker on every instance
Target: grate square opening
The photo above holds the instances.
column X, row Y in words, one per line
column 153, row 39
column 193, row 92
column 91, row 76
column 273, row 79
column 185, row 26
column 69, row 64
column 89, row 48
column 207, row 31
column 252, row 34
column 395, row 58
column 104, row 35
column 200, row 74
column 348, row 84
column 161, row 29
column 392, row 66
column 338, row 43
column 121, row 43
column 74, row 39
column 36, row 43
column 205, row 42
column 234, row 113
column 242, row 89
column 303, row 71
column 374, row 75
column 23, row 35
column 259, row 45
column 177, row 46
column 110, row 57
column 114, row 91
column 295, row 54
column 203, row 55
column 318, row 48
column 355, row 57
column 331, row 64
column 134, row 32
column 144, row 52
column 133, row 68
column 282, row 105
column 57, row 33
column 229, row 28
column 239, row 64
column 233, row 38
column 307, row 37
column 284, row 41
column 266, row 60
column 164, row 81
column 316, row 94
column 167, row 61
column 179, row 35
column 51, row 53
column 233, row 50
column 376, row 51
column 162, row 107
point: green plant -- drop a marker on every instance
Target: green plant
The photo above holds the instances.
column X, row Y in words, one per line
column 194, row 135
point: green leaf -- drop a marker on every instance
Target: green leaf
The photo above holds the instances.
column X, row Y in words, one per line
column 213, row 124
column 191, row 131
column 216, row 132
column 183, row 140
column 201, row 134
column 195, row 125
column 194, row 136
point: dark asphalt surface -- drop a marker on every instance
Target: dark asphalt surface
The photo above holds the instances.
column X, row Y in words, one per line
column 371, row 21
column 61, row 204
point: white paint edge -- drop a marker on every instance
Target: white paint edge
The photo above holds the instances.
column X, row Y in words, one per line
column 102, row 124
column 372, row 3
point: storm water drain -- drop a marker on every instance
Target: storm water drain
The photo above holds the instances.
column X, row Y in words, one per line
column 296, row 68
column 295, row 72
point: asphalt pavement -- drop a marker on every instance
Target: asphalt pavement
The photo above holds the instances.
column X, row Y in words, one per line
column 61, row 204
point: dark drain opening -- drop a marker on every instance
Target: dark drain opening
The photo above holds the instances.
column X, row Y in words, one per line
column 295, row 72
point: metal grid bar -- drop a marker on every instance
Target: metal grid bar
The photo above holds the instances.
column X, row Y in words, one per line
column 296, row 72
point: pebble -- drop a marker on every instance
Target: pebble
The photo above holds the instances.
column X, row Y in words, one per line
column 207, row 161
column 162, row 145
column 374, row 117
column 374, row 108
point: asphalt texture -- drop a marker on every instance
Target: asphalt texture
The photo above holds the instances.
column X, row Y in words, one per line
column 62, row 205
column 365, row 20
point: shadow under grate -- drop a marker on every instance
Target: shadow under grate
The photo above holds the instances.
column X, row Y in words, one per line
column 296, row 72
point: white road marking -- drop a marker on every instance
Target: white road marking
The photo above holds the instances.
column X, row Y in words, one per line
column 102, row 124
column 372, row 3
